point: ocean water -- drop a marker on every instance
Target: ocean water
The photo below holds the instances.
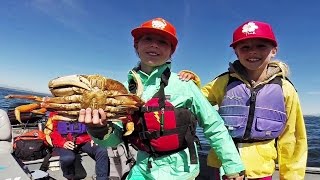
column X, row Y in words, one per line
column 312, row 126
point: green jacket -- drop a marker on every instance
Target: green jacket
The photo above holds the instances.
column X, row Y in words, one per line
column 177, row 165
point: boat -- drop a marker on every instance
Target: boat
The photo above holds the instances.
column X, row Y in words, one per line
column 10, row 169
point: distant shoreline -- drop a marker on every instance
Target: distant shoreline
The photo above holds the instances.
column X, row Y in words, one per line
column 24, row 90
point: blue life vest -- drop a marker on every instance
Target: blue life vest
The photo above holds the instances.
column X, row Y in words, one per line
column 254, row 114
column 75, row 128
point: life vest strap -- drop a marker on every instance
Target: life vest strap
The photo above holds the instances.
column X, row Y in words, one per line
column 156, row 108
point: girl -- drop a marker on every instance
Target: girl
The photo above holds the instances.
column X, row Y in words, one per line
column 155, row 41
column 260, row 106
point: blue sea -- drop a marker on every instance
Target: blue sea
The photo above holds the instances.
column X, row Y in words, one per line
column 312, row 126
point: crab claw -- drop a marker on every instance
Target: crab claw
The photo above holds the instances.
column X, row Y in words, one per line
column 68, row 85
column 39, row 111
column 137, row 79
column 25, row 108
column 129, row 128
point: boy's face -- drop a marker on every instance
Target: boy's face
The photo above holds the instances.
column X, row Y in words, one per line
column 255, row 54
column 153, row 50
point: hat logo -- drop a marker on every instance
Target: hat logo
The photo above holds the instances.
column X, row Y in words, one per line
column 249, row 28
column 159, row 24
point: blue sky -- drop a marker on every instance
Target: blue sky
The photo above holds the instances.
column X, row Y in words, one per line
column 43, row 39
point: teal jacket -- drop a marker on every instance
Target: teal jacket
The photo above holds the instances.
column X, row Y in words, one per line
column 177, row 165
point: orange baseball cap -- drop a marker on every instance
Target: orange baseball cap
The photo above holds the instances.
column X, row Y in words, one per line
column 157, row 25
column 254, row 29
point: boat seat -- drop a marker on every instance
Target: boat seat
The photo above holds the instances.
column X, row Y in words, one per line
column 54, row 166
column 54, row 158
column 5, row 133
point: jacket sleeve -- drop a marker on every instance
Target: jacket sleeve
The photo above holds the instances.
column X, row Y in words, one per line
column 292, row 144
column 98, row 132
column 107, row 136
column 215, row 131
column 57, row 139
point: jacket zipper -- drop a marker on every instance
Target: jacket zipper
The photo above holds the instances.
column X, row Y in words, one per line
column 251, row 114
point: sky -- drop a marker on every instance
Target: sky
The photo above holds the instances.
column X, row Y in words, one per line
column 44, row 39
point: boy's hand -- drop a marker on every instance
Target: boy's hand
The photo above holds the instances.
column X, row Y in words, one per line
column 186, row 76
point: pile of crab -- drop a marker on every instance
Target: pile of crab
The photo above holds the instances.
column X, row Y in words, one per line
column 74, row 92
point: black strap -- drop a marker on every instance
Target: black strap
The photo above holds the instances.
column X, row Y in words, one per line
column 130, row 158
column 45, row 163
column 164, row 82
column 156, row 108
column 237, row 140
column 189, row 138
column 161, row 95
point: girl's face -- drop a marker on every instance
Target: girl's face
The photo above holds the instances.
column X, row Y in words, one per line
column 255, row 54
column 154, row 50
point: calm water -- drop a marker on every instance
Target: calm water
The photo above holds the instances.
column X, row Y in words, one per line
column 312, row 125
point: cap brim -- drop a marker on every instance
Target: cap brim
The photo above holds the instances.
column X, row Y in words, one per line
column 139, row 32
column 258, row 37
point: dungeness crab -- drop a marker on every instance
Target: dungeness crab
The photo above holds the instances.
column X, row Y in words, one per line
column 75, row 92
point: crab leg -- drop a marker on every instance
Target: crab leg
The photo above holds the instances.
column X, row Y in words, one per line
column 121, row 109
column 124, row 100
column 64, row 99
column 29, row 97
column 63, row 118
column 110, row 116
column 68, row 113
column 57, row 106
column 39, row 111
column 25, row 108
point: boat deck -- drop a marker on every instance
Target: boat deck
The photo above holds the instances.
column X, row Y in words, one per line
column 311, row 173
column 55, row 172
column 10, row 169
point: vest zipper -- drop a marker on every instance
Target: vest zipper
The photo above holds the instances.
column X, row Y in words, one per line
column 251, row 114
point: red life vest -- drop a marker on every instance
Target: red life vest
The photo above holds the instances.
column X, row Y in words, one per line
column 161, row 129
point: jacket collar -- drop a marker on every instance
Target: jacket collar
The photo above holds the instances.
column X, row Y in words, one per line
column 156, row 73
column 274, row 69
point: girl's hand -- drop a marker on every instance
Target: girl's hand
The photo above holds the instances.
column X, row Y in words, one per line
column 186, row 76
column 92, row 143
column 234, row 177
column 69, row 145
column 94, row 118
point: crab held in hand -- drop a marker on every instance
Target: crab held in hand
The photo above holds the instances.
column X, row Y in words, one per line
column 75, row 92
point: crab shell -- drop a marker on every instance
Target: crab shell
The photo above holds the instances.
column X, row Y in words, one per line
column 91, row 91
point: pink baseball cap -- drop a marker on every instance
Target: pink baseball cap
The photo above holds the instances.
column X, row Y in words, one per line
column 254, row 29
